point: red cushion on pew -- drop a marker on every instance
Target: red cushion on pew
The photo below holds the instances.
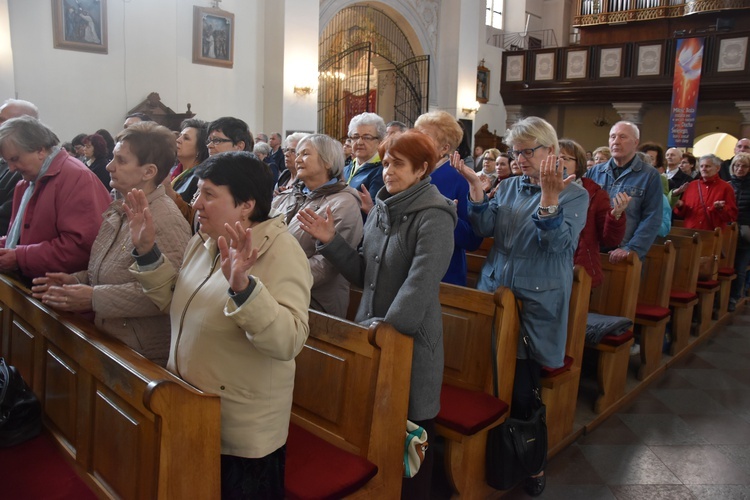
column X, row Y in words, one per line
column 548, row 372
column 681, row 296
column 726, row 271
column 651, row 312
column 317, row 469
column 708, row 284
column 467, row 411
column 616, row 340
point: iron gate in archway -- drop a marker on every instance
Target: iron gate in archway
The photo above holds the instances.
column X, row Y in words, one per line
column 359, row 42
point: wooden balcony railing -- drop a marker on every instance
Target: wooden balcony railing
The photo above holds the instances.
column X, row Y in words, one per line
column 593, row 12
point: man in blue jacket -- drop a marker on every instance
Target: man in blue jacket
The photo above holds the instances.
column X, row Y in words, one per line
column 627, row 173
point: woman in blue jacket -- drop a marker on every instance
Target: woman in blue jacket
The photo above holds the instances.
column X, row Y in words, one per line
column 535, row 221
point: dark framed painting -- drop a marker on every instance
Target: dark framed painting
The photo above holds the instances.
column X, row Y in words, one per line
column 732, row 54
column 514, row 68
column 544, row 66
column 610, row 62
column 213, row 37
column 649, row 59
column 80, row 25
column 483, row 84
column 577, row 62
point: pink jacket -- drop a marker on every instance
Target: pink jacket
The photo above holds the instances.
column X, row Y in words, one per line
column 62, row 219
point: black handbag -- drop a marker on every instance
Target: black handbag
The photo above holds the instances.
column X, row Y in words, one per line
column 20, row 410
column 517, row 448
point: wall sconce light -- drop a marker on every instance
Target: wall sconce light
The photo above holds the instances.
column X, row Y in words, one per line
column 472, row 110
column 303, row 91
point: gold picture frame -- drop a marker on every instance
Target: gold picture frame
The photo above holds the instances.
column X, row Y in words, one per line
column 483, row 84
column 80, row 25
column 213, row 37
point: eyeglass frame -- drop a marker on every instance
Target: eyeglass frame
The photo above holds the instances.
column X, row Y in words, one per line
column 527, row 153
column 365, row 137
column 217, row 140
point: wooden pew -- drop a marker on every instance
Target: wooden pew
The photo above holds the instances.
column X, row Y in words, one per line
column 616, row 296
column 682, row 296
column 652, row 312
column 468, row 406
column 560, row 386
column 707, row 286
column 351, row 397
column 729, row 236
column 468, row 316
column 130, row 428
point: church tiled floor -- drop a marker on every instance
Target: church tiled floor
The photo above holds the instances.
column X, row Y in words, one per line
column 687, row 436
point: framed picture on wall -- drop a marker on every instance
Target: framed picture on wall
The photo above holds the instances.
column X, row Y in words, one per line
column 610, row 62
column 213, row 37
column 483, row 84
column 577, row 63
column 514, row 68
column 649, row 59
column 732, row 54
column 544, row 67
column 80, row 25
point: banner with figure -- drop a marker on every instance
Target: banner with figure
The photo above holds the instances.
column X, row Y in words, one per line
column 687, row 79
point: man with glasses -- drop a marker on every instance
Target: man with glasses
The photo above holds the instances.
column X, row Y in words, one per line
column 365, row 172
column 627, row 173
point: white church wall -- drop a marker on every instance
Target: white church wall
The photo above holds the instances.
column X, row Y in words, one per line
column 150, row 50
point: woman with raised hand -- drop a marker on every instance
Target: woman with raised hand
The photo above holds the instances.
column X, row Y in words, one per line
column 407, row 246
column 239, row 309
column 143, row 155
column 319, row 163
column 535, row 222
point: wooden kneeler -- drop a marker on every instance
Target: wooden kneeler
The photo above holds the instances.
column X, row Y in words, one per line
column 616, row 296
column 652, row 312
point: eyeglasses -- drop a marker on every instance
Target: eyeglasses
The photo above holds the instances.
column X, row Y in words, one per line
column 366, row 137
column 291, row 151
column 566, row 158
column 216, row 141
column 527, row 153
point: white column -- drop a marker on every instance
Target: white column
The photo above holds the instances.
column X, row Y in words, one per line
column 7, row 74
column 629, row 111
column 300, row 62
column 459, row 55
column 744, row 107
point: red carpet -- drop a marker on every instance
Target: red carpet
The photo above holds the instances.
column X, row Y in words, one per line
column 35, row 470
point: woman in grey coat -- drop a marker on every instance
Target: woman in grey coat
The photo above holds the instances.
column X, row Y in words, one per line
column 535, row 220
column 408, row 243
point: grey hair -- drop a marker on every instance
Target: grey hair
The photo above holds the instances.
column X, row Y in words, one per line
column 262, row 148
column 533, row 129
column 25, row 107
column 295, row 138
column 633, row 126
column 365, row 119
column 27, row 134
column 712, row 158
column 645, row 158
column 330, row 151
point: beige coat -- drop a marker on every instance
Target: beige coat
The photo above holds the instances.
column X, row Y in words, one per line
column 330, row 292
column 121, row 308
column 244, row 354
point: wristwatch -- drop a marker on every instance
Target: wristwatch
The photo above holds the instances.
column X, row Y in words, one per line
column 550, row 210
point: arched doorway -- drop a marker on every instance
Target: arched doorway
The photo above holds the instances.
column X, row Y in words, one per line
column 720, row 144
column 367, row 64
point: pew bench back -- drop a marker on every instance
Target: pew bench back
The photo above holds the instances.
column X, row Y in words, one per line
column 131, row 429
